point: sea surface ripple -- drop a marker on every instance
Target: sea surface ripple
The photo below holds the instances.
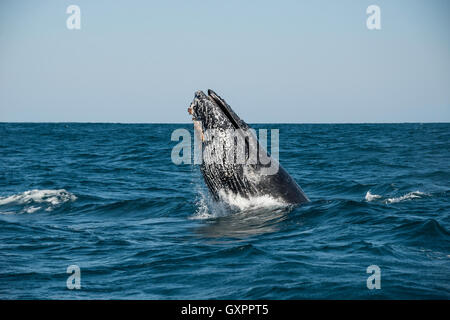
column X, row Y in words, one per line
column 108, row 198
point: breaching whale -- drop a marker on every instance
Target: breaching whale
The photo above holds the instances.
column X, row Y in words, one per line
column 220, row 129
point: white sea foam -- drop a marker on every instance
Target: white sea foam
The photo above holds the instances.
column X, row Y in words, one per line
column 408, row 196
column 370, row 197
column 207, row 208
column 31, row 209
column 34, row 200
column 240, row 203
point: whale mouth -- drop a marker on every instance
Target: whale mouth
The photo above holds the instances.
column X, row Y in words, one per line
column 205, row 107
column 225, row 108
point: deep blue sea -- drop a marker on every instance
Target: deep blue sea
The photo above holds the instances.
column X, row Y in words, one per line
column 107, row 198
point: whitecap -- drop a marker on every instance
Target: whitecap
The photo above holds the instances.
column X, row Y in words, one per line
column 31, row 209
column 408, row 196
column 370, row 197
column 34, row 200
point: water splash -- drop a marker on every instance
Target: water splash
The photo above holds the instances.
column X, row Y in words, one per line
column 208, row 208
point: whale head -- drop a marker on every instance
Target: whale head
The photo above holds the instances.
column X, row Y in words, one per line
column 234, row 162
column 214, row 113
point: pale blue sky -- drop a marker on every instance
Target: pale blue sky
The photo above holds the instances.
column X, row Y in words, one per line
column 273, row 61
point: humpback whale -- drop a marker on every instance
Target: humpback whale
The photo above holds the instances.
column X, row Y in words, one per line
column 219, row 129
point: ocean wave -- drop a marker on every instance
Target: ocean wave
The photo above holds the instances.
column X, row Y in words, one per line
column 369, row 197
column 34, row 200
column 419, row 232
column 408, row 196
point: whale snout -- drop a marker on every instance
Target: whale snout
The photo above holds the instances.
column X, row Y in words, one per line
column 200, row 95
column 214, row 112
column 197, row 105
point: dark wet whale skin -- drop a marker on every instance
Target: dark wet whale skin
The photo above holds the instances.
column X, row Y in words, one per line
column 214, row 113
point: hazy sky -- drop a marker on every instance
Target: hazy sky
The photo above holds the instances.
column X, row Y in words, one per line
column 273, row 61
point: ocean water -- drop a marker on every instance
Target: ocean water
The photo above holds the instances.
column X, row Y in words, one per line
column 107, row 198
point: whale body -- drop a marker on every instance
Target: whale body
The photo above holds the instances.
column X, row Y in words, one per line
column 220, row 128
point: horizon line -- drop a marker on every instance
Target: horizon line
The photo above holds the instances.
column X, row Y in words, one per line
column 114, row 122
